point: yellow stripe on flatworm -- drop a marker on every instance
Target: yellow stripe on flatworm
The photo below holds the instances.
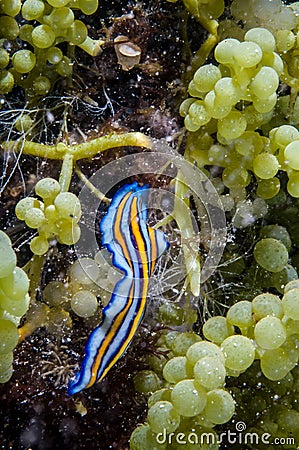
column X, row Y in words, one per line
column 137, row 318
column 140, row 245
column 117, row 229
column 118, row 321
column 154, row 253
column 108, row 338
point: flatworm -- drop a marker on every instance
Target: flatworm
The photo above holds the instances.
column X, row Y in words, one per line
column 135, row 248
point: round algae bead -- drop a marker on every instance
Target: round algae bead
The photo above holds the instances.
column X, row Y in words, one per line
column 235, row 176
column 159, row 395
column 294, row 284
column 157, row 362
column 265, row 166
column 26, row 33
column 64, row 67
column 193, row 90
column 176, row 369
column 263, row 37
column 290, row 304
column 239, row 352
column 54, row 55
column 88, row 6
column 43, row 36
column 16, row 284
column 233, row 125
column 210, row 372
column 265, row 82
column 190, row 125
column 32, row 9
column 4, row 239
column 9, row 336
column 284, row 135
column 277, row 232
column 163, row 416
column 268, row 188
column 69, row 232
column 84, row 303
column 143, row 438
column 225, row 51
column 260, row 208
column 39, row 245
column 170, row 337
column 171, row 314
column 4, row 58
column 24, row 123
column 275, row 364
column 185, row 105
column 23, row 61
column 77, row 32
column 147, row 381
column 84, row 271
column 280, row 279
column 9, row 28
column 293, row 185
column 264, row 305
column 240, row 314
column 8, row 259
column 68, row 206
column 24, row 205
column 285, row 40
column 55, row 293
column 213, row 108
column 271, row 254
column 217, row 329
column 183, row 341
column 206, row 77
column 202, row 349
column 198, row 114
column 288, row 420
column 6, row 375
column 11, row 7
column 291, row 347
column 6, row 360
column 16, row 307
column 291, row 155
column 248, row 54
column 7, row 82
column 61, row 18
column 220, row 406
column 34, row 218
column 227, row 92
column 269, row 333
column 265, row 105
column 188, row 398
column 47, row 188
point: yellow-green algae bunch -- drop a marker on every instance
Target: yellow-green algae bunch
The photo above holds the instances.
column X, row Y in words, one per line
column 235, row 104
column 14, row 302
column 188, row 384
column 57, row 216
column 30, row 36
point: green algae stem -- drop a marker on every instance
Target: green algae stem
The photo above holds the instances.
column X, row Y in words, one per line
column 78, row 151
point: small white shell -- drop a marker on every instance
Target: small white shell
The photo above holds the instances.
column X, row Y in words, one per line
column 128, row 54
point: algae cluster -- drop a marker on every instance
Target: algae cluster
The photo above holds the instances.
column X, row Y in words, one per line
column 219, row 81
